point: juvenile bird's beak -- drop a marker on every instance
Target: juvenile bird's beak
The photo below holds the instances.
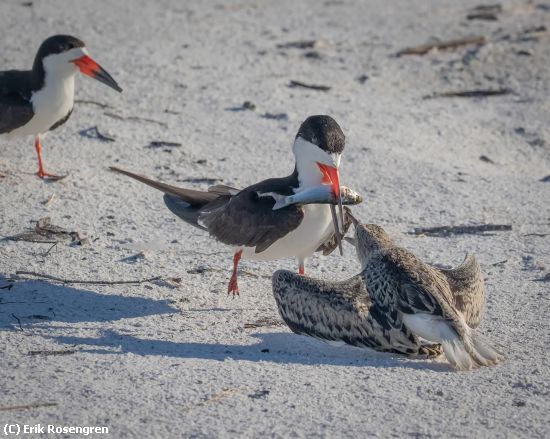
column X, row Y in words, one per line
column 332, row 176
column 89, row 67
column 353, row 219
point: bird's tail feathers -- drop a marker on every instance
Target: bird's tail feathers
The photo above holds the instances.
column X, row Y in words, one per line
column 471, row 351
column 193, row 197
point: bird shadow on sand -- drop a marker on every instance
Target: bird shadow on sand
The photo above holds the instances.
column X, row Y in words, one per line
column 278, row 347
column 29, row 302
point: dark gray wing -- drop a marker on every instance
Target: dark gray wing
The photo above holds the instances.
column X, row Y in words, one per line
column 15, row 105
column 341, row 311
column 248, row 219
column 468, row 288
column 239, row 218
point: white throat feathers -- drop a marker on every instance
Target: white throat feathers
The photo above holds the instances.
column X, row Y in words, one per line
column 307, row 156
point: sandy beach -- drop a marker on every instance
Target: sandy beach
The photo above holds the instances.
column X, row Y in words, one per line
column 453, row 136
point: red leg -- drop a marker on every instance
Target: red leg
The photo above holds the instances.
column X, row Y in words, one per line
column 233, row 287
column 41, row 173
column 301, row 269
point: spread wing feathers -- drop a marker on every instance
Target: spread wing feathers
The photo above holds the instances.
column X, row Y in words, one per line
column 248, row 219
column 15, row 106
column 468, row 288
column 331, row 243
column 193, row 197
column 342, row 311
column 424, row 293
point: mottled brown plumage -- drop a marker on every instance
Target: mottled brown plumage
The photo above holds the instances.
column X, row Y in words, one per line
column 468, row 288
column 393, row 304
column 343, row 311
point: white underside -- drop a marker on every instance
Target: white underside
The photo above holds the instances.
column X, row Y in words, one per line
column 437, row 330
column 301, row 242
column 429, row 327
column 317, row 224
column 55, row 100
column 50, row 105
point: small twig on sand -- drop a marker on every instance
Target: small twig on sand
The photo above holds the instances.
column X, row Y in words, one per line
column 485, row 12
column 310, row 86
column 486, row 159
column 162, row 144
column 88, row 282
column 49, row 200
column 302, row 44
column 46, row 233
column 28, row 406
column 93, row 133
column 481, row 93
column 275, row 116
column 496, row 264
column 249, row 273
column 442, row 45
column 545, row 278
column 50, row 249
column 201, row 269
column 443, row 231
column 143, row 119
column 18, row 320
column 86, row 101
column 263, row 322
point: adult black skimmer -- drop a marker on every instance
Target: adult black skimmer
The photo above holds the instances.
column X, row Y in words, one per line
column 246, row 219
column 33, row 102
column 394, row 302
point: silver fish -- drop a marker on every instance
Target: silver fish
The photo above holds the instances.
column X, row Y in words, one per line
column 321, row 194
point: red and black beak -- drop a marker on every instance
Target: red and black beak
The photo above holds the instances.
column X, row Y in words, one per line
column 332, row 176
column 89, row 67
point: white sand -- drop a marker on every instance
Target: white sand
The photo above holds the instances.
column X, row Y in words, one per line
column 157, row 361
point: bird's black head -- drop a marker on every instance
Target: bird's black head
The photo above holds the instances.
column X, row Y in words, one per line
column 58, row 44
column 324, row 132
column 62, row 56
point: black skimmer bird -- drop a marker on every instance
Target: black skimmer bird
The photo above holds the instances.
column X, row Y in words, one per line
column 33, row 102
column 392, row 304
column 246, row 219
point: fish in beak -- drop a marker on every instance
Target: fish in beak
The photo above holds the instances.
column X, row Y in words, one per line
column 89, row 67
column 331, row 176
